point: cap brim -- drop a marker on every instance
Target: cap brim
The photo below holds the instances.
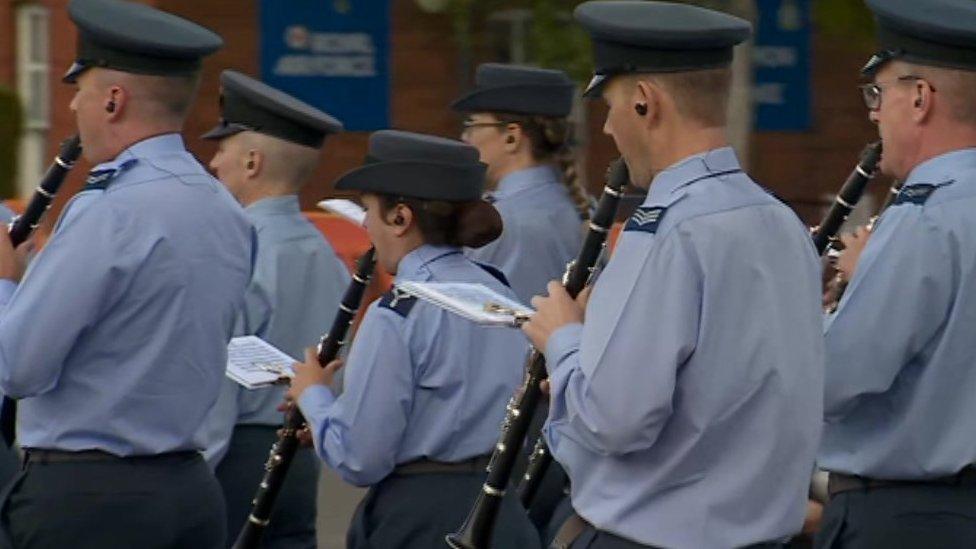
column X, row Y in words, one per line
column 76, row 69
column 877, row 61
column 414, row 179
column 466, row 103
column 221, row 131
column 595, row 88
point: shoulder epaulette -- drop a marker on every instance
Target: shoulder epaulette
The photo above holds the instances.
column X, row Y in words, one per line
column 495, row 272
column 915, row 194
column 398, row 301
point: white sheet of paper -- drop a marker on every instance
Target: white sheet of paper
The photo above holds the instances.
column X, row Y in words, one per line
column 469, row 300
column 253, row 362
column 346, row 208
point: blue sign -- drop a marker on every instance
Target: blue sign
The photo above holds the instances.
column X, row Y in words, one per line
column 781, row 59
column 333, row 54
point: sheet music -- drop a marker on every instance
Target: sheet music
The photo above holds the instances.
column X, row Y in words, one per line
column 476, row 302
column 253, row 362
column 346, row 208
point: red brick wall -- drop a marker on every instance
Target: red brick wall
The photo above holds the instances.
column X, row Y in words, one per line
column 802, row 167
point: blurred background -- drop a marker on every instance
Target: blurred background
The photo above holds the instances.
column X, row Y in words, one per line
column 797, row 117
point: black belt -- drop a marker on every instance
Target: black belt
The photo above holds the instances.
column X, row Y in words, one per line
column 478, row 464
column 575, row 526
column 839, row 482
column 43, row 457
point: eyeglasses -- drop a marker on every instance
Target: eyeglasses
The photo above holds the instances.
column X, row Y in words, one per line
column 469, row 125
column 871, row 93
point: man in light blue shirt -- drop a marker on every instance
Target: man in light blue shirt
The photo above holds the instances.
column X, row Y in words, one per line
column 269, row 146
column 686, row 408
column 9, row 461
column 899, row 406
column 115, row 341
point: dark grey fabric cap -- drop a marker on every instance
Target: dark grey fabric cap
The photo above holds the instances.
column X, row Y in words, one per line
column 420, row 166
column 136, row 38
column 645, row 36
column 929, row 32
column 248, row 104
column 516, row 89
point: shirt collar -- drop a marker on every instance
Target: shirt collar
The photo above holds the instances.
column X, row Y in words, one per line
column 941, row 169
column 691, row 169
column 168, row 143
column 275, row 205
column 414, row 264
column 521, row 180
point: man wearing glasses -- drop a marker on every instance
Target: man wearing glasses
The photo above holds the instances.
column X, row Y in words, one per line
column 899, row 403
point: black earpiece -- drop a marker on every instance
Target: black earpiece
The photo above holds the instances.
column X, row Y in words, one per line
column 398, row 220
column 510, row 139
column 250, row 164
column 110, row 106
column 918, row 101
column 641, row 109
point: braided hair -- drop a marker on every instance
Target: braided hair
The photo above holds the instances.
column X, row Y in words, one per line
column 551, row 140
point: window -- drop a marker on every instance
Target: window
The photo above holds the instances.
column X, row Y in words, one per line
column 33, row 86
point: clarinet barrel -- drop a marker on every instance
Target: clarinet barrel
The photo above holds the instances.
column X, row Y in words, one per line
column 24, row 225
column 847, row 198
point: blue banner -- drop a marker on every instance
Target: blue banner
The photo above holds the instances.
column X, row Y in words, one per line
column 333, row 54
column 781, row 58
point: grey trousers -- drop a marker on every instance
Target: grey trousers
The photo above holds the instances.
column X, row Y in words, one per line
column 417, row 511
column 293, row 519
column 903, row 517
column 170, row 501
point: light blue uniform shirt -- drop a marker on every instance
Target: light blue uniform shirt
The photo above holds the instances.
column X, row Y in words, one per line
column 542, row 230
column 900, row 394
column 6, row 214
column 117, row 337
column 686, row 409
column 420, row 382
column 291, row 301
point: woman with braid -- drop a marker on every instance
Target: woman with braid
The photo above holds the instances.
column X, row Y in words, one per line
column 516, row 117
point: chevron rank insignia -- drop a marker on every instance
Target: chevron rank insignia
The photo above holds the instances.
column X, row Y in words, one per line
column 915, row 194
column 646, row 219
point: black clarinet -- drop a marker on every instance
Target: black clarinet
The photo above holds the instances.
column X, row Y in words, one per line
column 287, row 444
column 850, row 193
column 21, row 229
column 478, row 527
column 40, row 203
column 838, row 285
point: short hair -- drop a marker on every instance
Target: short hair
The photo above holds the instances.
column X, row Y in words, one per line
column 169, row 97
column 956, row 86
column 284, row 161
column 701, row 96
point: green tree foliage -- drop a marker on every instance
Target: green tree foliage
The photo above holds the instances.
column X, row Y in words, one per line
column 11, row 123
column 848, row 19
column 554, row 40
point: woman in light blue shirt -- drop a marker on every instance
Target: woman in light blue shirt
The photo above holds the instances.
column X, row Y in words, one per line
column 516, row 118
column 425, row 390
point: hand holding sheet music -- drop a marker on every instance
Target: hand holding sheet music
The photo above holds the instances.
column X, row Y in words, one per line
column 255, row 363
column 476, row 302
